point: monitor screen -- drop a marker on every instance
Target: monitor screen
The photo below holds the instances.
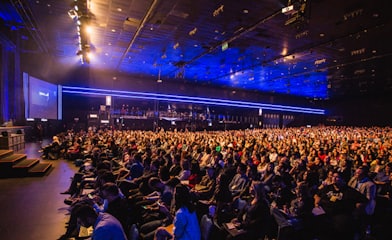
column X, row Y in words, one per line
column 42, row 99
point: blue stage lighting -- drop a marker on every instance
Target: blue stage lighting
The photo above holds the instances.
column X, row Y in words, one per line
column 188, row 99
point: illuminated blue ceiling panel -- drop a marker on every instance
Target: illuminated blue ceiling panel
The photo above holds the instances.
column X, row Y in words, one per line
column 326, row 49
column 10, row 16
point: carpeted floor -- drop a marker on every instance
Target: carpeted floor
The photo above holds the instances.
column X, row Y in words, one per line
column 31, row 207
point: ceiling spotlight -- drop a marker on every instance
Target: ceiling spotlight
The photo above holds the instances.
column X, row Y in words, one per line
column 159, row 80
column 88, row 29
column 193, row 32
column 291, row 9
column 218, row 11
column 72, row 14
column 81, row 16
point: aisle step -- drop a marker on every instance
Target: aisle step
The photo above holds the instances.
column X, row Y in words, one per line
column 12, row 159
column 5, row 153
column 26, row 163
column 39, row 169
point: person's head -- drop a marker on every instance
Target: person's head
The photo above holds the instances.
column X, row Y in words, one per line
column 173, row 182
column 185, row 164
column 317, row 160
column 208, row 150
column 277, row 181
column 177, row 159
column 302, row 190
column 183, row 198
column 270, row 168
column 164, row 173
column 337, row 179
column 147, row 162
column 241, row 169
column 362, row 172
column 138, row 157
column 104, row 165
column 223, row 179
column 86, row 215
column 330, row 174
column 263, row 158
column 388, row 167
column 343, row 162
column 110, row 191
column 154, row 166
column 210, row 172
column 155, row 183
column 107, row 176
column 104, row 176
column 257, row 189
column 218, row 156
column 229, row 162
column 195, row 167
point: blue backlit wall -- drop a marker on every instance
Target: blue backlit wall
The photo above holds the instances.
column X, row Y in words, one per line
column 188, row 99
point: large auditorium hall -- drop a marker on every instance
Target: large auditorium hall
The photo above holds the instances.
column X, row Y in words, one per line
column 195, row 120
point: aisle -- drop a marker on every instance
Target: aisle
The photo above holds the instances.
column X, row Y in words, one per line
column 32, row 208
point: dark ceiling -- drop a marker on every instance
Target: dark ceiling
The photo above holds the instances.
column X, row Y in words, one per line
column 326, row 50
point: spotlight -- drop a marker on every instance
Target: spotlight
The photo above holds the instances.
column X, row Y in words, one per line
column 88, row 56
column 80, row 13
column 88, row 29
column 72, row 14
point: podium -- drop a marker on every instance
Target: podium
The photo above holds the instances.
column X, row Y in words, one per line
column 12, row 138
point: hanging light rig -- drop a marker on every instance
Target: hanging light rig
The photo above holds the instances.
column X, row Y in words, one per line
column 159, row 80
column 80, row 13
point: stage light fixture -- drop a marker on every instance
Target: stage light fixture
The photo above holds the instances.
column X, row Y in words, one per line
column 72, row 14
column 81, row 16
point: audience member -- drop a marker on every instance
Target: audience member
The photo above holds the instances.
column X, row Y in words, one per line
column 105, row 225
column 186, row 225
column 285, row 160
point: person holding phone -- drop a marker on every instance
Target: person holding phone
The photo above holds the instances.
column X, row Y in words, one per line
column 114, row 203
column 104, row 224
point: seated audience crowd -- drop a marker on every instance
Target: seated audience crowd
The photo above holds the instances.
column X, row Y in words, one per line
column 294, row 183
